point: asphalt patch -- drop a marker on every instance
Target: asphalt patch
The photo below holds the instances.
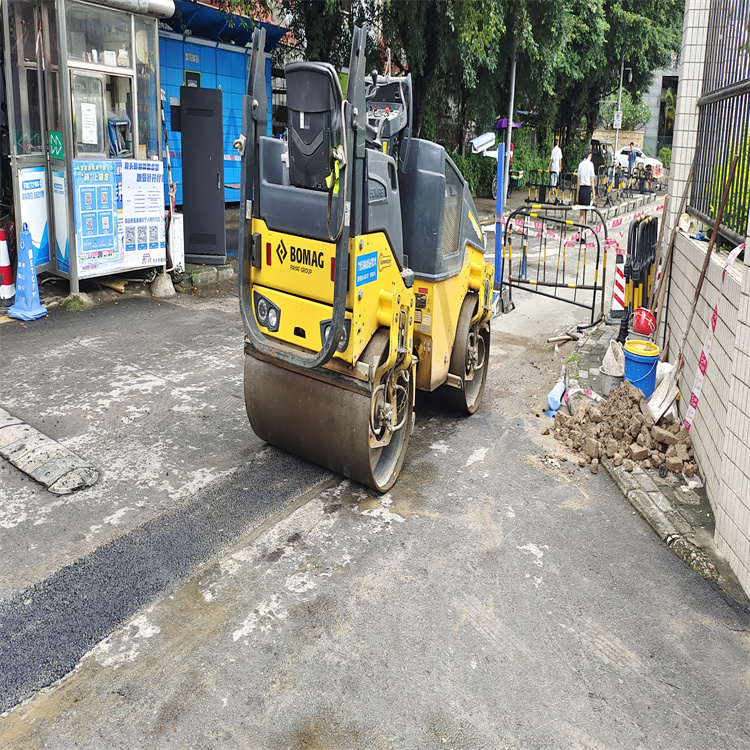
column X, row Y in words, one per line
column 46, row 629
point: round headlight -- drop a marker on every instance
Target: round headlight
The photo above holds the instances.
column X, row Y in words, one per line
column 273, row 318
column 262, row 310
column 342, row 341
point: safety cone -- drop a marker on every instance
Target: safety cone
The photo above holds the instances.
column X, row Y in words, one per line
column 7, row 287
column 28, row 306
column 617, row 306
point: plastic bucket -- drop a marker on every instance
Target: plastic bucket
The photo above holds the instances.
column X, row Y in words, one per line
column 609, row 381
column 641, row 359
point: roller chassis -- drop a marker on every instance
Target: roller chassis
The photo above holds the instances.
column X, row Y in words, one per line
column 332, row 376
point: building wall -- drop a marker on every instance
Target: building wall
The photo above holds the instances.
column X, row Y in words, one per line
column 708, row 428
column 721, row 429
column 733, row 520
column 653, row 99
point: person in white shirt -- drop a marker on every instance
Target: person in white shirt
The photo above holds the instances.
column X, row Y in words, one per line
column 585, row 183
column 555, row 163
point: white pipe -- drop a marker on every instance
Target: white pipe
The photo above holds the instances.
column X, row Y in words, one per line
column 153, row 8
column 619, row 109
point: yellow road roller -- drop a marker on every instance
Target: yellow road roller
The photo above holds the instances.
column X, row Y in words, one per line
column 362, row 273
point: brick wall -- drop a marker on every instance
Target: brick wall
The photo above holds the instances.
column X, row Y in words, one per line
column 721, row 429
column 626, row 136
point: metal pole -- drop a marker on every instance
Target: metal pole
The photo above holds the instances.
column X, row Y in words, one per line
column 619, row 108
column 500, row 203
column 509, row 132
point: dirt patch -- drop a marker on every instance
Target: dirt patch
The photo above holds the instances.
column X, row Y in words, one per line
column 622, row 429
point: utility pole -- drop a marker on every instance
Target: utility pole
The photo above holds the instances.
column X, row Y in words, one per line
column 618, row 114
column 509, row 132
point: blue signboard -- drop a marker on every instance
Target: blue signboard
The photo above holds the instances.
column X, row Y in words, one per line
column 367, row 268
column 95, row 203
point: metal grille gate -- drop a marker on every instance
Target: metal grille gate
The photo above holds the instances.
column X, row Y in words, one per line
column 556, row 257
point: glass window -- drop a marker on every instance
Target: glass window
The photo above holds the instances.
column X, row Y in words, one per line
column 98, row 35
column 54, row 114
column 26, row 136
column 119, row 103
column 148, row 99
column 88, row 114
column 22, row 31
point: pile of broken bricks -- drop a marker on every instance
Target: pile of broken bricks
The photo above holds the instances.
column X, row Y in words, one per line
column 623, row 429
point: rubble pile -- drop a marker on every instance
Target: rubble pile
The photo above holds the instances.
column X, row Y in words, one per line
column 623, row 429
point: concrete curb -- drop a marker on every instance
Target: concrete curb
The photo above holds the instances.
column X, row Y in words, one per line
column 691, row 541
column 201, row 275
column 43, row 458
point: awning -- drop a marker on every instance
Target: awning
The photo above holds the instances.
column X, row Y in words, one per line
column 208, row 22
column 501, row 123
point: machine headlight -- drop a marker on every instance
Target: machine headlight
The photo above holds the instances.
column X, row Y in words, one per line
column 267, row 313
column 326, row 327
column 273, row 318
column 262, row 310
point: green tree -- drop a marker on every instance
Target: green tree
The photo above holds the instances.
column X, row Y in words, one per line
column 635, row 112
column 446, row 45
column 569, row 54
column 641, row 33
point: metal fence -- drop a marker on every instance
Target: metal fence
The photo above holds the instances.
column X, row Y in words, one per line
column 724, row 121
column 547, row 254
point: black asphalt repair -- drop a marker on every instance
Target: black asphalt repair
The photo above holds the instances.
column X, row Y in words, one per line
column 45, row 630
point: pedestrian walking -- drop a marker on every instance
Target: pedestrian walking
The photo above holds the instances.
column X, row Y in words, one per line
column 608, row 159
column 585, row 183
column 555, row 164
column 631, row 158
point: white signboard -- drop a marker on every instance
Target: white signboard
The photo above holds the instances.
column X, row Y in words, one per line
column 142, row 224
column 33, row 189
column 119, row 215
column 88, row 124
column 60, row 213
column 618, row 119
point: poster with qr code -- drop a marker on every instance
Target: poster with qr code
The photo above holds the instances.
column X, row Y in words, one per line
column 95, row 211
column 119, row 215
column 143, row 213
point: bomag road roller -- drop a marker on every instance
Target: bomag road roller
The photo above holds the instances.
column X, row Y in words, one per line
column 362, row 276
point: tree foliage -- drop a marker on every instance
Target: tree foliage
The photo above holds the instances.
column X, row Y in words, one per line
column 569, row 54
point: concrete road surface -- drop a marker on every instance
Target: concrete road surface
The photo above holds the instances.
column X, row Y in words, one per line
column 213, row 592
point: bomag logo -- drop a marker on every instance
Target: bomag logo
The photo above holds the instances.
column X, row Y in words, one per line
column 281, row 251
column 303, row 256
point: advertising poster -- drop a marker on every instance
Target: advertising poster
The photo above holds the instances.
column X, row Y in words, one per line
column 95, row 211
column 143, row 213
column 34, row 210
column 119, row 215
column 60, row 214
